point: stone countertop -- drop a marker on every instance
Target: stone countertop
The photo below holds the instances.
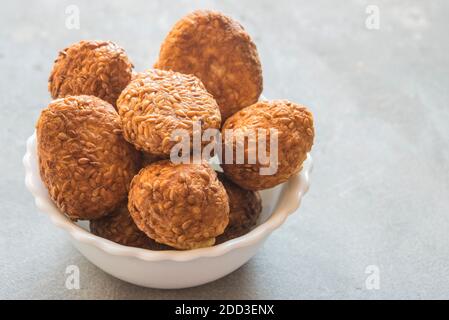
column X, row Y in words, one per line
column 379, row 200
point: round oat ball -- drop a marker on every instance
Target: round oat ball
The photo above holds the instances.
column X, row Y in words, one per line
column 118, row 226
column 245, row 207
column 157, row 102
column 180, row 205
column 293, row 126
column 219, row 51
column 84, row 161
column 98, row 68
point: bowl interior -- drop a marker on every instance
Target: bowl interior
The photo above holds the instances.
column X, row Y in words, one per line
column 277, row 204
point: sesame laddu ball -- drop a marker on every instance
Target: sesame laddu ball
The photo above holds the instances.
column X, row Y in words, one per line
column 98, row 68
column 84, row 161
column 219, row 51
column 180, row 205
column 293, row 125
column 158, row 102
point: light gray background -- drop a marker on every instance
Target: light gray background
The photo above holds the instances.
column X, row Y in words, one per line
column 380, row 187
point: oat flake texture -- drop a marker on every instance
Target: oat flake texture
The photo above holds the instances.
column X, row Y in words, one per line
column 184, row 206
column 157, row 102
column 216, row 49
column 98, row 68
column 294, row 124
column 245, row 207
column 119, row 227
column 84, row 160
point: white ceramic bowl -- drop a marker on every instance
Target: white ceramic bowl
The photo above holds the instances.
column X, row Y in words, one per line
column 170, row 269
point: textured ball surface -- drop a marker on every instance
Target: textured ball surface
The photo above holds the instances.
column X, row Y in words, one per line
column 84, row 161
column 119, row 227
column 217, row 50
column 98, row 68
column 245, row 207
column 293, row 125
column 181, row 205
column 158, row 102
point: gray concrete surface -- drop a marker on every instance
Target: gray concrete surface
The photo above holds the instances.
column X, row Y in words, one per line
column 380, row 187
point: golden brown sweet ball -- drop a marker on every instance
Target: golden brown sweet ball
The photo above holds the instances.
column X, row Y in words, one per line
column 84, row 160
column 293, row 125
column 181, row 205
column 245, row 207
column 158, row 102
column 98, row 68
column 118, row 226
column 216, row 49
